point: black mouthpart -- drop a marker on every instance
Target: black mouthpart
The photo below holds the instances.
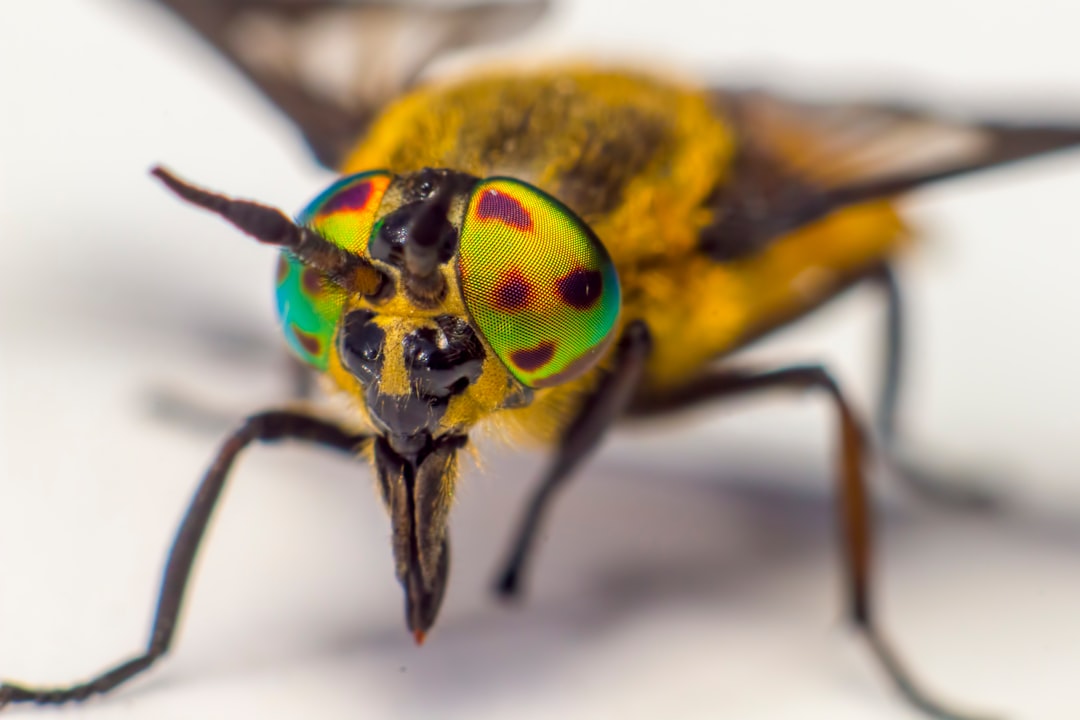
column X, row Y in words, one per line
column 441, row 362
column 413, row 472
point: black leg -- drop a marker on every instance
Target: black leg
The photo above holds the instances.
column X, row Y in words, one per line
column 264, row 427
column 951, row 489
column 598, row 412
column 892, row 360
column 856, row 529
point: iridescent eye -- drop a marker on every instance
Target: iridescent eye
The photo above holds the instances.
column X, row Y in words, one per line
column 345, row 212
column 536, row 280
column 310, row 305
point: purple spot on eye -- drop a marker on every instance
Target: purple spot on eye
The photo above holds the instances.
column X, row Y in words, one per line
column 513, row 291
column 309, row 342
column 495, row 205
column 581, row 289
column 282, row 269
column 353, row 198
column 312, row 281
column 531, row 359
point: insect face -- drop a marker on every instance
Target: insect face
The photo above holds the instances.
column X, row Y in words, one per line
column 479, row 279
column 439, row 361
column 485, row 290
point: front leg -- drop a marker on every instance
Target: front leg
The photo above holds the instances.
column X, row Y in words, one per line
column 609, row 401
column 263, row 427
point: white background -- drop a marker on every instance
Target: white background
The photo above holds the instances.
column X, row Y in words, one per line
column 691, row 570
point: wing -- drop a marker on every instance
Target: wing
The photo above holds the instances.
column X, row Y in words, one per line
column 798, row 161
column 331, row 64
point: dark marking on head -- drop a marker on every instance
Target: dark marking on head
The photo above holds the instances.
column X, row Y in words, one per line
column 354, row 198
column 282, row 269
column 309, row 342
column 442, row 361
column 362, row 346
column 495, row 205
column 513, row 292
column 418, row 236
column 430, row 241
column 532, row 359
column 580, row 288
column 312, row 281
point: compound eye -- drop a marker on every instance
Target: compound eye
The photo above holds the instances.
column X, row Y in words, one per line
column 345, row 212
column 308, row 303
column 537, row 282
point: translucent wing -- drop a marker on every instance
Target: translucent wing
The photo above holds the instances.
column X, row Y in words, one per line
column 331, row 64
column 799, row 161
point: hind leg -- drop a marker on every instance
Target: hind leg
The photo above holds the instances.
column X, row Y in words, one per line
column 946, row 486
column 856, row 528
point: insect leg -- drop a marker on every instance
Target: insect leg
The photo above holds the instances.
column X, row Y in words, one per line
column 856, row 528
column 953, row 489
column 608, row 402
column 263, row 427
column 892, row 362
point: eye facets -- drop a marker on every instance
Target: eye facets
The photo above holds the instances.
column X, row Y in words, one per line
column 537, row 282
column 308, row 304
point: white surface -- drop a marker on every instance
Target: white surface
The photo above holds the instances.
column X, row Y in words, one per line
column 689, row 573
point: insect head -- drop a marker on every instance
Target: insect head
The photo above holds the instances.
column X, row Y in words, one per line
column 433, row 299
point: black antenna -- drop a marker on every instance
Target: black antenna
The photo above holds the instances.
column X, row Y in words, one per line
column 273, row 227
column 430, row 240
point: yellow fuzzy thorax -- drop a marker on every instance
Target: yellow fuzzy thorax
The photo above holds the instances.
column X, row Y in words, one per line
column 636, row 158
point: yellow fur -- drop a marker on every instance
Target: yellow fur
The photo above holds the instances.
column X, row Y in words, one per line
column 540, row 127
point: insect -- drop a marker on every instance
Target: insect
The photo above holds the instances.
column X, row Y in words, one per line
column 398, row 256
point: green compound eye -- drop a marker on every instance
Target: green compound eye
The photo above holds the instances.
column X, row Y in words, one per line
column 539, row 285
column 308, row 304
column 345, row 212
